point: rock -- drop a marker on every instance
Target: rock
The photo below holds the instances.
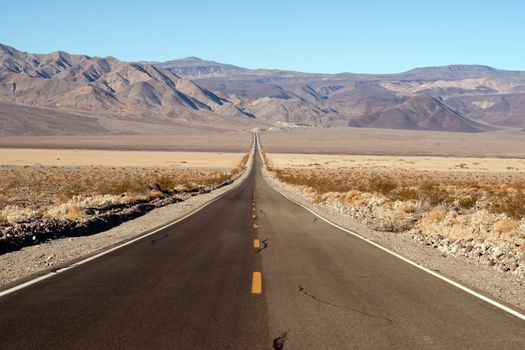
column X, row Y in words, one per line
column 468, row 248
column 442, row 249
column 497, row 252
column 503, row 268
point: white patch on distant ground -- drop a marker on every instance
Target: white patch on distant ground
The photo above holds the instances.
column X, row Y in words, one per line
column 483, row 104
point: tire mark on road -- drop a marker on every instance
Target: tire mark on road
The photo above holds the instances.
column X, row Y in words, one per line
column 153, row 241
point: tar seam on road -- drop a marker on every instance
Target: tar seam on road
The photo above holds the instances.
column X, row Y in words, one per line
column 278, row 343
column 413, row 263
column 388, row 321
column 153, row 241
column 265, row 245
column 93, row 257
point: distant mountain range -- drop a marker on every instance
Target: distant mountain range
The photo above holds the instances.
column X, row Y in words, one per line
column 464, row 98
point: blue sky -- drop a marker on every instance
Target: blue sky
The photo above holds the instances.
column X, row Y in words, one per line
column 314, row 36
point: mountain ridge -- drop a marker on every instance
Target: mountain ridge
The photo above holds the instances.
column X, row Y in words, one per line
column 462, row 98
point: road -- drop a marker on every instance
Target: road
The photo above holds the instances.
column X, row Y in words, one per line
column 190, row 286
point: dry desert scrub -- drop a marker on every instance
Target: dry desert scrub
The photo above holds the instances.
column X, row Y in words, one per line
column 33, row 192
column 481, row 214
column 432, row 195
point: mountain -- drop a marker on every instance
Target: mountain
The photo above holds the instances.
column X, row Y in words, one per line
column 195, row 68
column 192, row 91
column 104, row 85
column 476, row 94
column 419, row 113
column 462, row 71
column 21, row 120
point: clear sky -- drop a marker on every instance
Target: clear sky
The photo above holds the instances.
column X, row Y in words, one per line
column 314, row 36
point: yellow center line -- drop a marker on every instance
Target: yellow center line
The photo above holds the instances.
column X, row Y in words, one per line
column 257, row 283
column 255, row 225
column 254, row 216
column 256, row 244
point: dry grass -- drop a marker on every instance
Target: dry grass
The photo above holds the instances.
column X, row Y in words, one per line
column 74, row 212
column 155, row 159
column 436, row 215
column 457, row 204
column 505, row 226
column 62, row 192
column 505, row 193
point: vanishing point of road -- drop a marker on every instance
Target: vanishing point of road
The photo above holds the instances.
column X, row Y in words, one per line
column 251, row 270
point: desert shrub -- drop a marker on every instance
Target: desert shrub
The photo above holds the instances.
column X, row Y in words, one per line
column 434, row 195
column 165, row 182
column 436, row 215
column 381, row 184
column 509, row 202
column 74, row 212
column 505, row 225
column 12, row 213
column 406, row 207
column 467, row 202
column 406, row 194
column 123, row 186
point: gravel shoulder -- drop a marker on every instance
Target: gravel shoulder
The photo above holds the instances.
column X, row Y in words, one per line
column 31, row 261
column 505, row 287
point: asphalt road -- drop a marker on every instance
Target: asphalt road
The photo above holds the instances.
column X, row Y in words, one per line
column 190, row 286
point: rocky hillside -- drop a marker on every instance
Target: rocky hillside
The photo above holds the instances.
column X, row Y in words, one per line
column 95, row 84
column 193, row 91
column 419, row 113
column 463, row 97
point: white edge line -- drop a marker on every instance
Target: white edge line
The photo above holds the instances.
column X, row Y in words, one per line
column 78, row 263
column 413, row 263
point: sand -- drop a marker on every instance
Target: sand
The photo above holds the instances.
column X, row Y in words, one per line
column 359, row 141
column 61, row 157
column 417, row 163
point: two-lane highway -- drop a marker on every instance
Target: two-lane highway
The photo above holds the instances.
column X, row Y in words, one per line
column 193, row 286
column 186, row 287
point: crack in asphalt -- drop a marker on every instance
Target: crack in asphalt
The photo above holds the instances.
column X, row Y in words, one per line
column 265, row 245
column 152, row 242
column 388, row 321
column 278, row 343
